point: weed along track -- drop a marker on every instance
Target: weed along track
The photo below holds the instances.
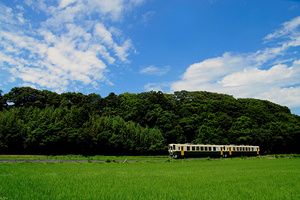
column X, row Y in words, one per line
column 78, row 158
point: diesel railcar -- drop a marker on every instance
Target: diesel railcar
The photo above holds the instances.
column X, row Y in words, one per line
column 208, row 150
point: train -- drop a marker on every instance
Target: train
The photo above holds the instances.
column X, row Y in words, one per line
column 211, row 150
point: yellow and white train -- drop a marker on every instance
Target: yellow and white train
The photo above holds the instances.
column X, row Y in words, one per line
column 208, row 150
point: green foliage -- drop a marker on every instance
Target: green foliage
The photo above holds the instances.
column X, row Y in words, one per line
column 44, row 122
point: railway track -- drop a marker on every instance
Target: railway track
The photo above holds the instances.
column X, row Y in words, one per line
column 93, row 161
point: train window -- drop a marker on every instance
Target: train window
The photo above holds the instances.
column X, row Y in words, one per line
column 205, row 148
column 202, row 148
column 178, row 148
column 174, row 147
column 193, row 148
column 209, row 148
column 214, row 148
column 188, row 148
column 233, row 148
column 197, row 148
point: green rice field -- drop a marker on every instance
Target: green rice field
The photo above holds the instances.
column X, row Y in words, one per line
column 256, row 178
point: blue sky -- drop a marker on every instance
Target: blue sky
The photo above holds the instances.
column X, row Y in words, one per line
column 245, row 48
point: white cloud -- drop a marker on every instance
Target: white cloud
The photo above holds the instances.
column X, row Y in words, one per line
column 106, row 38
column 122, row 50
column 206, row 72
column 250, row 75
column 255, row 75
column 147, row 16
column 113, row 9
column 289, row 28
column 64, row 3
column 104, row 34
column 157, row 86
column 29, row 85
column 72, row 44
column 286, row 96
column 156, row 71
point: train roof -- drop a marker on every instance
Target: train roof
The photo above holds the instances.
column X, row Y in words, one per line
column 242, row 145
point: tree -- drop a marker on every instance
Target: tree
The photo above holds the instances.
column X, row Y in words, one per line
column 26, row 96
column 1, row 100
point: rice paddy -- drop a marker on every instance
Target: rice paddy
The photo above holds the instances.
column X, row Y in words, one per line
column 257, row 178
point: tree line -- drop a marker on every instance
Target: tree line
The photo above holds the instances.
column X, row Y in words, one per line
column 44, row 122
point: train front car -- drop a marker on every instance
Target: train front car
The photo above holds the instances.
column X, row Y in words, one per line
column 207, row 150
column 175, row 150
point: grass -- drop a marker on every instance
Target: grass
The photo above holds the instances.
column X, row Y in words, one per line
column 207, row 179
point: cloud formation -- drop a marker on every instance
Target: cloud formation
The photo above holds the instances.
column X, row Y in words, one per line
column 272, row 73
column 73, row 43
column 156, row 71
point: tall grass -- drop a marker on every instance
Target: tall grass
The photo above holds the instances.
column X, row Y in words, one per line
column 209, row 179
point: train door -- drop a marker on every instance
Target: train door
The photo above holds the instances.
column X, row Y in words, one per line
column 182, row 150
column 224, row 152
column 230, row 152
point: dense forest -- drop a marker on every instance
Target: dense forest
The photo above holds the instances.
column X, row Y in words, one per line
column 44, row 122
